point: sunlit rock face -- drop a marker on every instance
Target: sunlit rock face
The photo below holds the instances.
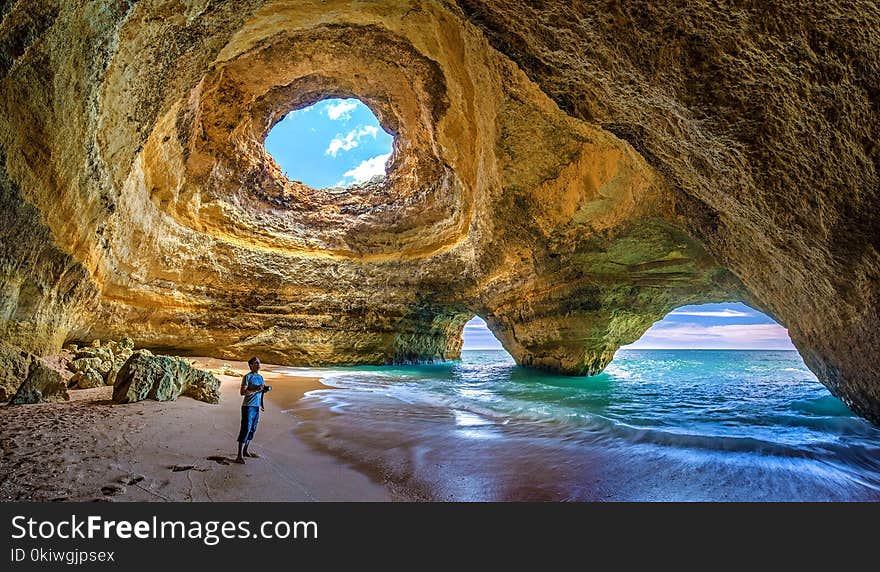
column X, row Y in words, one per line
column 570, row 173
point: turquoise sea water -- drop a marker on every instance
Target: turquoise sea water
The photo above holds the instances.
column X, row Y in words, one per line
column 656, row 425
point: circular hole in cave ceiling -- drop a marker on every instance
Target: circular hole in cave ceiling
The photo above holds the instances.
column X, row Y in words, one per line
column 334, row 143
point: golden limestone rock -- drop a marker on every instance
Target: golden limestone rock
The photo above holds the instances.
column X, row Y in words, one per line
column 569, row 171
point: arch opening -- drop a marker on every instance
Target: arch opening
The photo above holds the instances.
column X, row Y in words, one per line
column 724, row 369
column 725, row 326
column 334, row 143
column 477, row 336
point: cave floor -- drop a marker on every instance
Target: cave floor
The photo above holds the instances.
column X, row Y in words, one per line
column 92, row 449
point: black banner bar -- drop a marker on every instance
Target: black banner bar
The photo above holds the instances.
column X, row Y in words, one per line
column 227, row 535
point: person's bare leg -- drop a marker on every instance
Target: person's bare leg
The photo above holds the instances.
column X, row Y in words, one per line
column 240, row 459
column 247, row 453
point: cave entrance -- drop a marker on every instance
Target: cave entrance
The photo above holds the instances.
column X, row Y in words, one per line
column 725, row 352
column 728, row 326
column 335, row 143
column 726, row 375
column 479, row 338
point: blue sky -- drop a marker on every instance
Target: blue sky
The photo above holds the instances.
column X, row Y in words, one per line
column 704, row 326
column 334, row 143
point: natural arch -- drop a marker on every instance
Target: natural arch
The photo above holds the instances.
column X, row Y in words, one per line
column 571, row 177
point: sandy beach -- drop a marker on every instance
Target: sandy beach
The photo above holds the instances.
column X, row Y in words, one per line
column 90, row 449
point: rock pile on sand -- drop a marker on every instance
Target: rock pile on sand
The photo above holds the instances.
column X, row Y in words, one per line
column 96, row 365
column 163, row 378
column 135, row 375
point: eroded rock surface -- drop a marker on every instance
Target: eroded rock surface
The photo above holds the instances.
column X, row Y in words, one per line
column 42, row 384
column 571, row 172
column 163, row 378
column 14, row 364
column 98, row 364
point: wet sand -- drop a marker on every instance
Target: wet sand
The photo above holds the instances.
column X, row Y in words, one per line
column 484, row 430
column 92, row 449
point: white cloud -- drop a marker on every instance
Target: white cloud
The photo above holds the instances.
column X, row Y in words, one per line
column 340, row 143
column 368, row 169
column 351, row 139
column 742, row 336
column 341, row 110
column 710, row 313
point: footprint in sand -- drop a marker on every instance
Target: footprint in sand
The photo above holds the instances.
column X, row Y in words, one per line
column 111, row 490
column 179, row 468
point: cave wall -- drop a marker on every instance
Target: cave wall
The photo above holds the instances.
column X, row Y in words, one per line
column 763, row 118
column 569, row 171
column 42, row 289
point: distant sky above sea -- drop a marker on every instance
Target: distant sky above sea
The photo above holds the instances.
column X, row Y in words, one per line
column 732, row 326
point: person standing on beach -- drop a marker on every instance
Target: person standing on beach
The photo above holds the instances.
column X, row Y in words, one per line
column 252, row 387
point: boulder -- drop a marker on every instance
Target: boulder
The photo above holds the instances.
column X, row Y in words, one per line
column 103, row 354
column 14, row 364
column 90, row 363
column 119, row 358
column 226, row 369
column 89, row 372
column 60, row 362
column 110, row 378
column 42, row 384
column 86, row 379
column 143, row 376
column 202, row 385
column 163, row 378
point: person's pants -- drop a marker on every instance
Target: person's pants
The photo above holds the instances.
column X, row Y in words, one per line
column 250, row 414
